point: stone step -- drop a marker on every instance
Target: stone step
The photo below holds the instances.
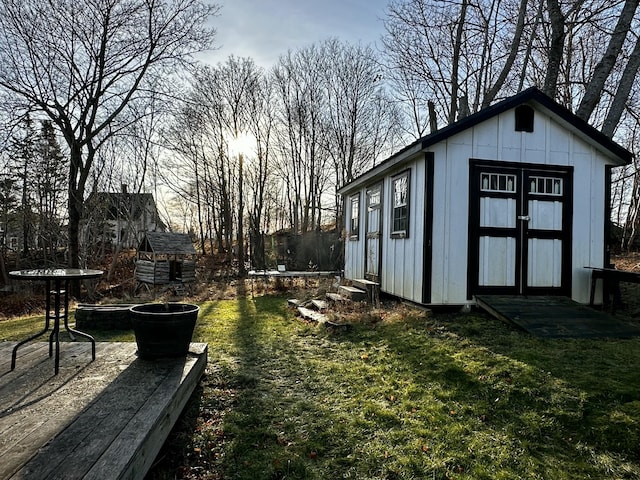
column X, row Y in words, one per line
column 372, row 288
column 353, row 293
column 312, row 315
column 336, row 297
column 293, row 302
column 319, row 304
column 364, row 284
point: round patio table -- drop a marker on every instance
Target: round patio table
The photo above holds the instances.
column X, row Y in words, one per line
column 57, row 280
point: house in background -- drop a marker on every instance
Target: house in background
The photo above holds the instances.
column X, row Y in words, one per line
column 512, row 200
column 122, row 218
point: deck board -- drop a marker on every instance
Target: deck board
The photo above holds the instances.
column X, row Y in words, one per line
column 94, row 420
column 556, row 317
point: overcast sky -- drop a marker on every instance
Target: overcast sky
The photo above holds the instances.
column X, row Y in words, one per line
column 266, row 29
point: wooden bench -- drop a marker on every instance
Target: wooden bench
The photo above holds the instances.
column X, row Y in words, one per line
column 611, row 279
column 103, row 317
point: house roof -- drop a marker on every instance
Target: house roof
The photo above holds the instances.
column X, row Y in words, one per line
column 121, row 205
column 532, row 94
column 167, row 243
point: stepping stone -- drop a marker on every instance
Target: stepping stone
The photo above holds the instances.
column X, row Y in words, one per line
column 293, row 302
column 353, row 293
column 336, row 297
column 312, row 315
column 319, row 304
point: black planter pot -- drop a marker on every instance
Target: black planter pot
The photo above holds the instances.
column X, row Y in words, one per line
column 163, row 329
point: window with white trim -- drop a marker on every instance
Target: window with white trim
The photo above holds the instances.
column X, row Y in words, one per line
column 354, row 222
column 497, row 182
column 551, row 186
column 400, row 196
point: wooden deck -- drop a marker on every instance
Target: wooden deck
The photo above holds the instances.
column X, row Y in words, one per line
column 94, row 420
column 556, row 317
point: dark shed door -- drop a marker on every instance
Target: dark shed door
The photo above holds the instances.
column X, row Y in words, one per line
column 520, row 229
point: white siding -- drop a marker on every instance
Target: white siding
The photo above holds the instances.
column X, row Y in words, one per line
column 354, row 248
column 403, row 258
column 494, row 139
column 451, row 213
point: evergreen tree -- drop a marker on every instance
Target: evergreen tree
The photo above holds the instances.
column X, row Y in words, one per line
column 50, row 185
column 22, row 152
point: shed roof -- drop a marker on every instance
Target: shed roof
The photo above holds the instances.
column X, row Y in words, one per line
column 167, row 243
column 530, row 95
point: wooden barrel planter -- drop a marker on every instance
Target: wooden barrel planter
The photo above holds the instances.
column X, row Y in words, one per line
column 163, row 329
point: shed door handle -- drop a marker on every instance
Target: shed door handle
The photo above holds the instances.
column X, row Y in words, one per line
column 524, row 218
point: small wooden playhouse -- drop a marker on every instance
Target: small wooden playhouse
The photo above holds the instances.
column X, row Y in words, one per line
column 512, row 200
column 165, row 258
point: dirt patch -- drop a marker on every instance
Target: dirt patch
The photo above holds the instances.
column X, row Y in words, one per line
column 629, row 261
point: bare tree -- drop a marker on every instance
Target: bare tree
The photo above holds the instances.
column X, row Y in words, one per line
column 298, row 80
column 186, row 139
column 514, row 50
column 23, row 157
column 217, row 168
column 593, row 90
column 261, row 124
column 238, row 80
column 361, row 119
column 81, row 62
column 621, row 97
column 462, row 53
column 50, row 186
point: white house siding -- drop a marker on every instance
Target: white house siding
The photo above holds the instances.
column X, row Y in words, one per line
column 354, row 249
column 403, row 258
column 450, row 220
column 588, row 218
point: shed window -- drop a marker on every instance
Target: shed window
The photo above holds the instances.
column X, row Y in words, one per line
column 524, row 118
column 497, row 182
column 354, row 226
column 400, row 221
column 546, row 186
column 374, row 196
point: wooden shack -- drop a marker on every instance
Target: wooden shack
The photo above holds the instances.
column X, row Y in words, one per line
column 165, row 258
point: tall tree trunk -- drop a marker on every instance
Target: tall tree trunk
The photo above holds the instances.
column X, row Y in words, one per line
column 3, row 270
column 556, row 48
column 75, row 204
column 631, row 225
column 622, row 94
column 78, row 175
column 491, row 93
column 26, row 210
column 199, row 204
column 457, row 46
column 595, row 86
column 241, row 269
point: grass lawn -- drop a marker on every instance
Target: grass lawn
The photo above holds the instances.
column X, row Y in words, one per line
column 401, row 395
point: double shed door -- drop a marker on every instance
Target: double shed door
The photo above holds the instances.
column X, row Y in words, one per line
column 520, row 229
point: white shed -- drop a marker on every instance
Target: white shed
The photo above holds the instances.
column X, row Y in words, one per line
column 512, row 200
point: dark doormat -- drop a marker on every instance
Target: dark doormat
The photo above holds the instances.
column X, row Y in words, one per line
column 557, row 317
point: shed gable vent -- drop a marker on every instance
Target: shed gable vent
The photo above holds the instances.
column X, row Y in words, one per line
column 524, row 118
